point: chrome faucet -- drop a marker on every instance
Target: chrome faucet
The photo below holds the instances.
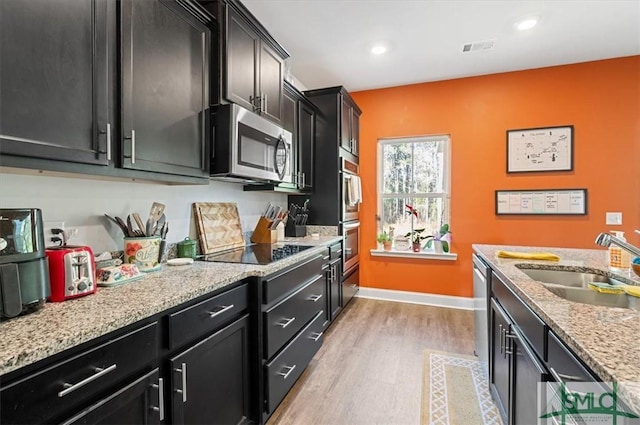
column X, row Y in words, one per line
column 605, row 239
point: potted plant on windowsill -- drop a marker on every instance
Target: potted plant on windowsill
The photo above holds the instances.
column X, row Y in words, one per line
column 440, row 240
column 385, row 240
column 416, row 239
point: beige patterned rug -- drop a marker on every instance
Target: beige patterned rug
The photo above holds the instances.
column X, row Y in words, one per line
column 455, row 391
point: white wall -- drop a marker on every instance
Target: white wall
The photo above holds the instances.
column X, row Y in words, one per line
column 82, row 201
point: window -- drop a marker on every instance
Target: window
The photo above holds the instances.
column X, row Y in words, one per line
column 413, row 171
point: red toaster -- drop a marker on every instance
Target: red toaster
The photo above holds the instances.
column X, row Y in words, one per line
column 72, row 272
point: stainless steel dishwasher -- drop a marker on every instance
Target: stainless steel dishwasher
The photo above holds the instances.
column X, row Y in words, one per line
column 481, row 277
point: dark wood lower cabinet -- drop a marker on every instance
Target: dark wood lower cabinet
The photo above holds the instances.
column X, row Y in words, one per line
column 210, row 382
column 136, row 403
column 527, row 374
column 499, row 361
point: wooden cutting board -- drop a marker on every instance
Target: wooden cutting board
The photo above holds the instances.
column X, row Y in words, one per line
column 218, row 225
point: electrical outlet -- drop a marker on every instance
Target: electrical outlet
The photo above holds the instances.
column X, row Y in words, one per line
column 614, row 218
column 48, row 226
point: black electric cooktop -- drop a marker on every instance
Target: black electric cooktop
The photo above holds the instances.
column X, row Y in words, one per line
column 260, row 253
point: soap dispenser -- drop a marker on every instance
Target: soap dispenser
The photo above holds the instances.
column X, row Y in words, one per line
column 619, row 259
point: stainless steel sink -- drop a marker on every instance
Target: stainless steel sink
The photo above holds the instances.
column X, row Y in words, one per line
column 589, row 296
column 567, row 277
column 573, row 286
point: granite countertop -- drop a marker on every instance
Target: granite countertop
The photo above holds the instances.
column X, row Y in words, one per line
column 60, row 326
column 605, row 338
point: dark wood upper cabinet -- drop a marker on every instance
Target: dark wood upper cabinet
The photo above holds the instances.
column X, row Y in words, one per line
column 341, row 120
column 306, row 143
column 242, row 61
column 349, row 125
column 270, row 75
column 54, row 80
column 249, row 60
column 165, row 88
column 299, row 117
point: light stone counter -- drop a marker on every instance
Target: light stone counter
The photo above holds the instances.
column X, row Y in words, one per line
column 59, row 326
column 607, row 339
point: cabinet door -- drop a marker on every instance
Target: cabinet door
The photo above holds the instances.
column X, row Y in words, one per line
column 270, row 83
column 355, row 132
column 210, row 381
column 335, row 287
column 345, row 124
column 289, row 123
column 165, row 67
column 53, row 79
column 527, row 372
column 306, row 142
column 137, row 403
column 242, row 64
column 499, row 379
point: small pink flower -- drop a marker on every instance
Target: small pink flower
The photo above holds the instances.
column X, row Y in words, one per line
column 132, row 248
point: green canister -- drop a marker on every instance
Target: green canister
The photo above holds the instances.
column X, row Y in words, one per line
column 187, row 248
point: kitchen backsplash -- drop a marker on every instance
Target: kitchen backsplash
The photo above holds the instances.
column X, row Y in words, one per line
column 81, row 203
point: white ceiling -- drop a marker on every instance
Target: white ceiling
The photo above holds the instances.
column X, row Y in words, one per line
column 329, row 40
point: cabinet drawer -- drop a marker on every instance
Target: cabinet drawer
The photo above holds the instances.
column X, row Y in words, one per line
column 350, row 287
column 335, row 251
column 192, row 322
column 285, row 319
column 63, row 387
column 284, row 370
column 564, row 364
column 531, row 325
column 277, row 286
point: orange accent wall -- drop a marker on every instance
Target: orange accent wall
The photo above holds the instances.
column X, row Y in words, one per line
column 600, row 99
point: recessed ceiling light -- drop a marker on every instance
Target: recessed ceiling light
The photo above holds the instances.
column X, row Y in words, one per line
column 527, row 24
column 378, row 49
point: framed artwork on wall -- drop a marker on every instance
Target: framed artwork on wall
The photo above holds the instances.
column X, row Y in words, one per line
column 540, row 149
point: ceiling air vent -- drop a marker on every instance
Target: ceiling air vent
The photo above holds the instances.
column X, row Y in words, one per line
column 479, row 45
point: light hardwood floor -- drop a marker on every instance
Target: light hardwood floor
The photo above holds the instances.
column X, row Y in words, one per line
column 369, row 369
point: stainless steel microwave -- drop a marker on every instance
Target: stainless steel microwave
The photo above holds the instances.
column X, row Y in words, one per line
column 249, row 148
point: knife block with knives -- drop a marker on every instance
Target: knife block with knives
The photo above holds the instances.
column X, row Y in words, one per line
column 295, row 230
column 263, row 233
column 296, row 225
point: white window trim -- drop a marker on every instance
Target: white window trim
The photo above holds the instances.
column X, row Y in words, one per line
column 446, row 196
column 422, row 255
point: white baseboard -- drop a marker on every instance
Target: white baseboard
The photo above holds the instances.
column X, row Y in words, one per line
column 436, row 300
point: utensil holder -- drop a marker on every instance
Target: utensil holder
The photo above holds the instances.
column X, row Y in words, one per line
column 295, row 230
column 263, row 233
column 144, row 252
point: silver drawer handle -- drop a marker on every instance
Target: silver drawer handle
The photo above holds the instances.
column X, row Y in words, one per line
column 286, row 322
column 160, row 387
column 561, row 377
column 69, row 388
column 108, row 142
column 315, row 336
column 133, row 146
column 183, row 391
column 354, row 285
column 224, row 308
column 314, row 298
column 286, row 375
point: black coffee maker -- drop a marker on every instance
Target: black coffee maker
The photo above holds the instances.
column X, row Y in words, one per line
column 24, row 273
